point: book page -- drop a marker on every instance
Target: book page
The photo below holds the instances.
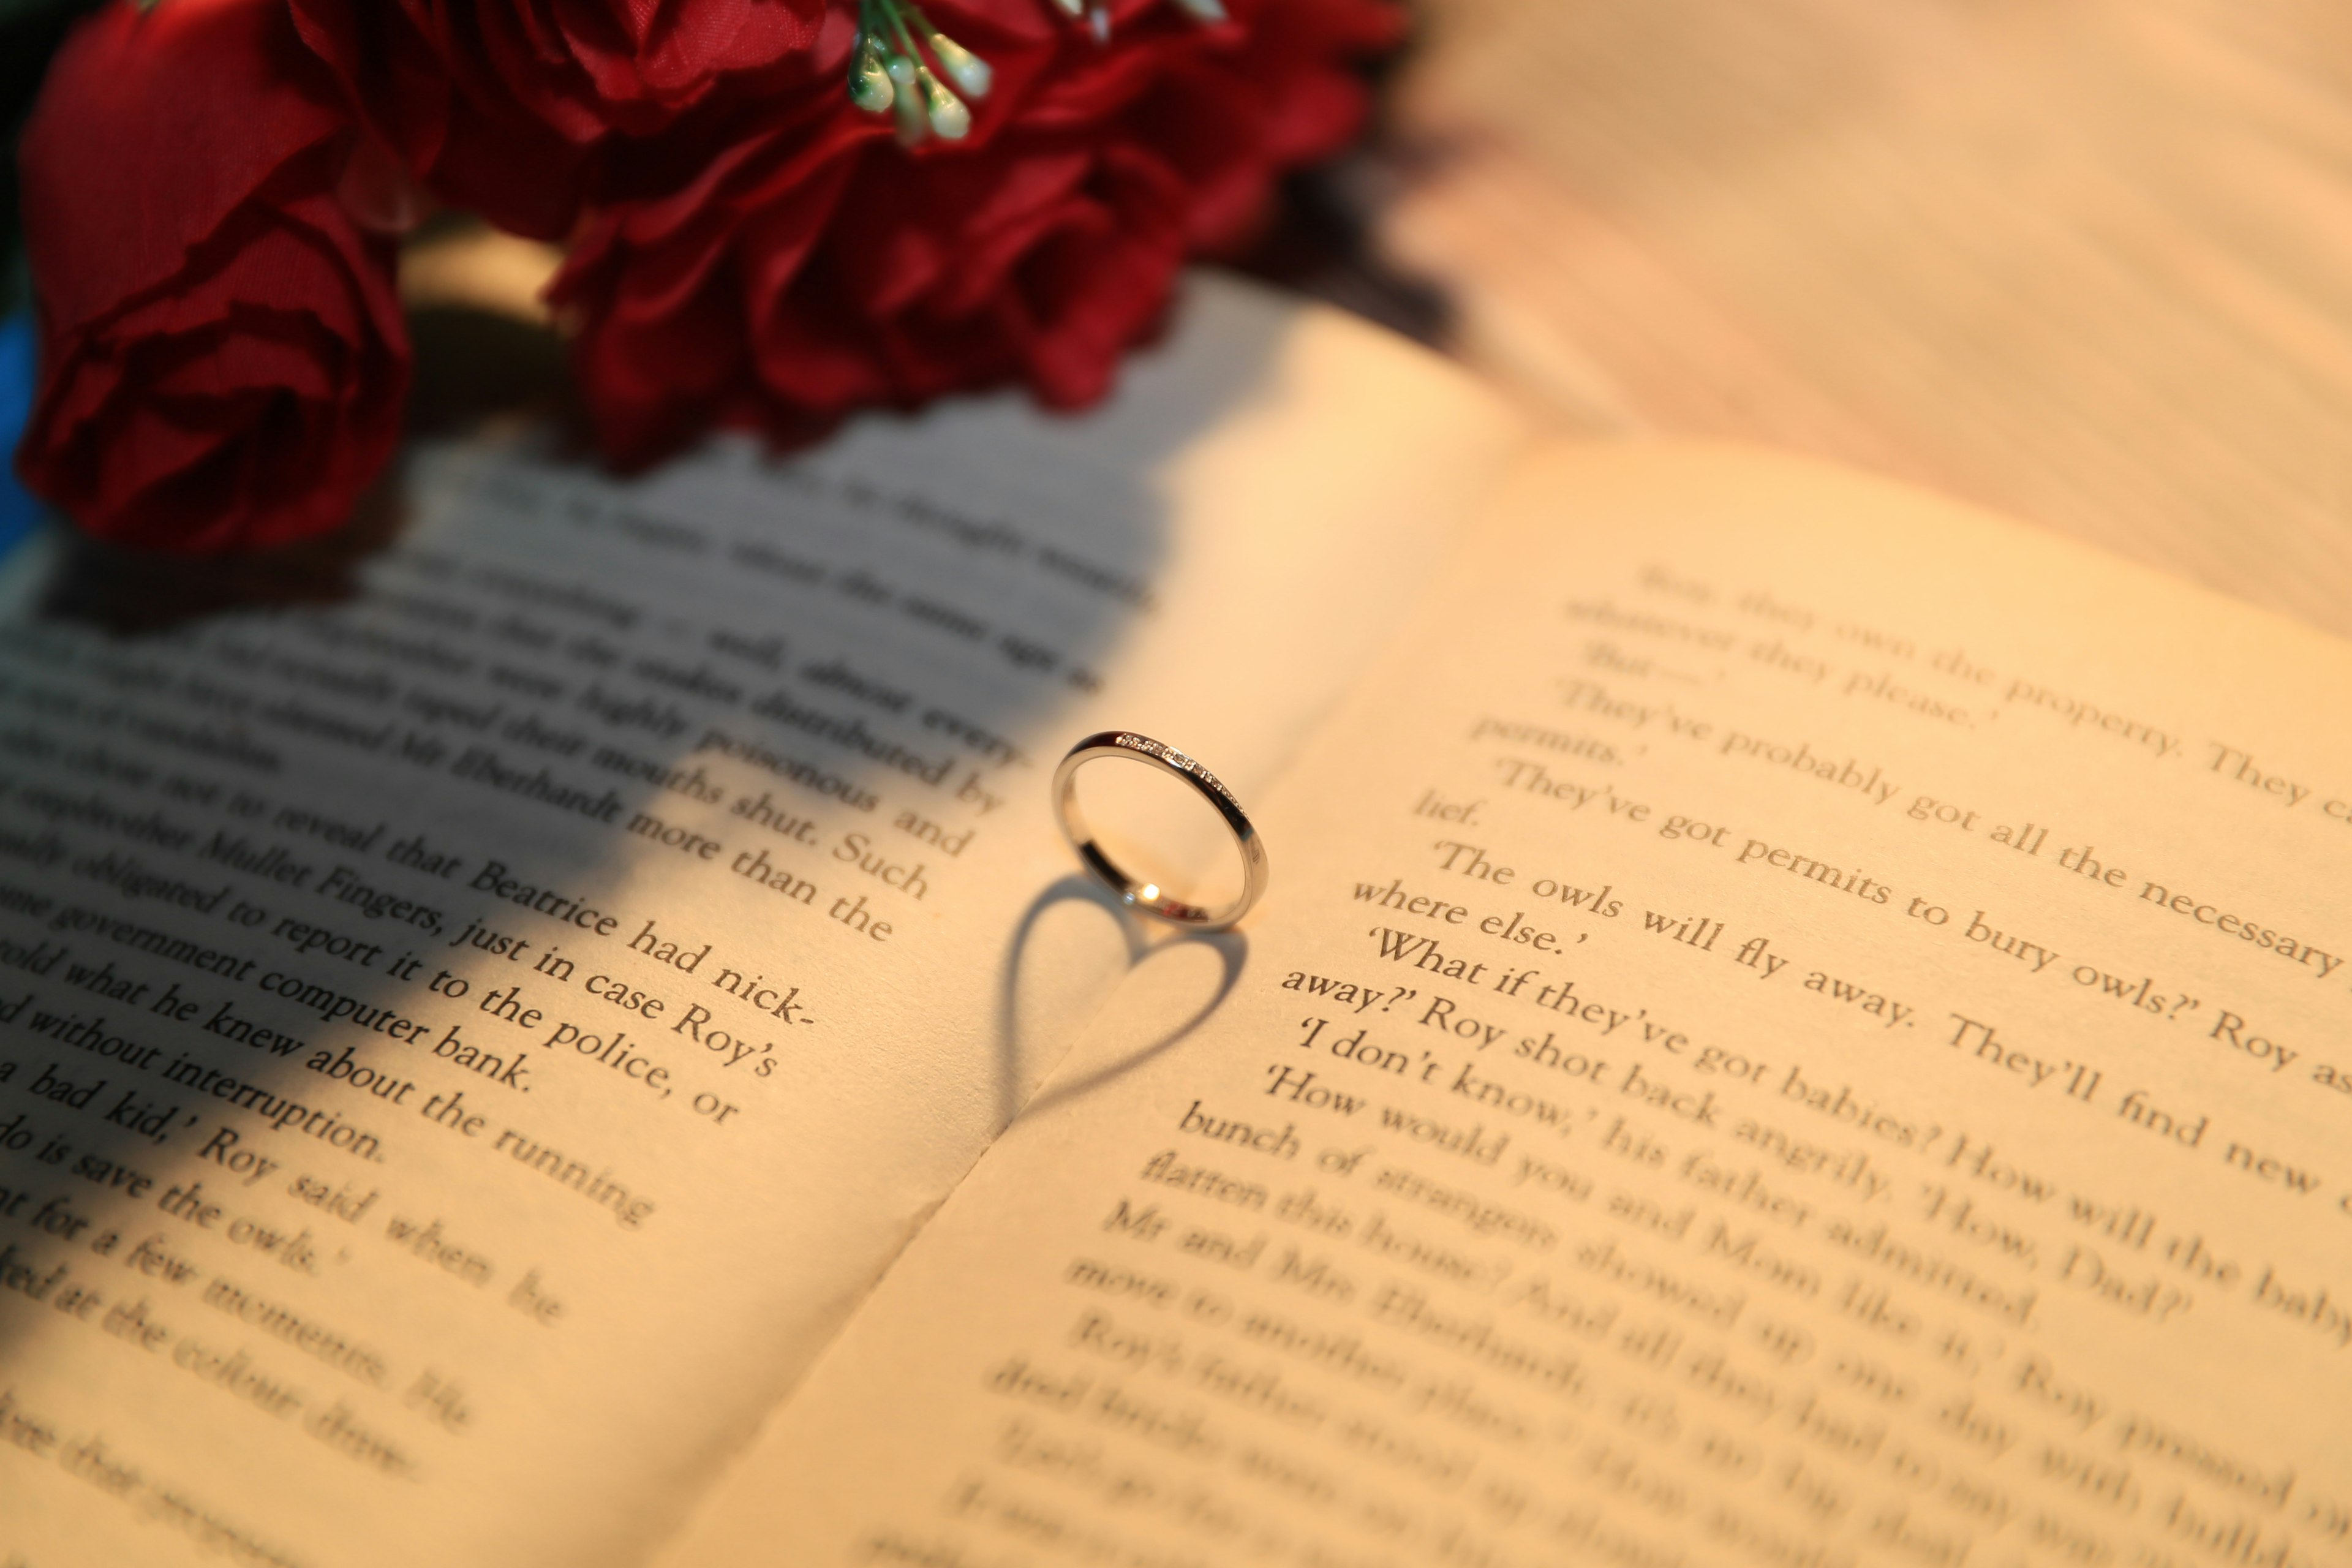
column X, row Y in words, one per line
column 466, row 1047
column 1795, row 1025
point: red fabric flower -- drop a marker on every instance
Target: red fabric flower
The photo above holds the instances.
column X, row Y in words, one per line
column 501, row 105
column 815, row 265
column 222, row 360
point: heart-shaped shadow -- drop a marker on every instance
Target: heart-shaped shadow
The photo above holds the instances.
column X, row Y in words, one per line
column 1230, row 947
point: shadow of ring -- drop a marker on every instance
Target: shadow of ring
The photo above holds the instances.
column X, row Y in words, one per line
column 1233, row 955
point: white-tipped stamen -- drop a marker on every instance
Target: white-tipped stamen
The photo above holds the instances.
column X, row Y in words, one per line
column 914, row 122
column 1209, row 12
column 1099, row 22
column 950, row 119
column 869, row 79
column 963, row 68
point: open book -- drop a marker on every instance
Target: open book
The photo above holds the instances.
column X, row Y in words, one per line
column 1795, row 1024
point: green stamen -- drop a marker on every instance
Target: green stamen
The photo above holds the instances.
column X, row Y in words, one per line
column 869, row 79
column 899, row 58
column 891, row 68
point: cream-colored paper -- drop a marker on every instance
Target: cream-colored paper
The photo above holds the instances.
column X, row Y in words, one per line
column 465, row 1051
column 1797, row 1026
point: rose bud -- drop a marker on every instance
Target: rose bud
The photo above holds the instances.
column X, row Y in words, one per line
column 223, row 359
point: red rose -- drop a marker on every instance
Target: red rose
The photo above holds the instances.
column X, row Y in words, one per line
column 223, row 359
column 500, row 105
column 817, row 266
column 1234, row 122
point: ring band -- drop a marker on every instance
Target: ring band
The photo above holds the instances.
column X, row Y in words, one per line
column 1143, row 895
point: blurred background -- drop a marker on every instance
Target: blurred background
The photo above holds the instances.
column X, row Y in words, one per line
column 2085, row 262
